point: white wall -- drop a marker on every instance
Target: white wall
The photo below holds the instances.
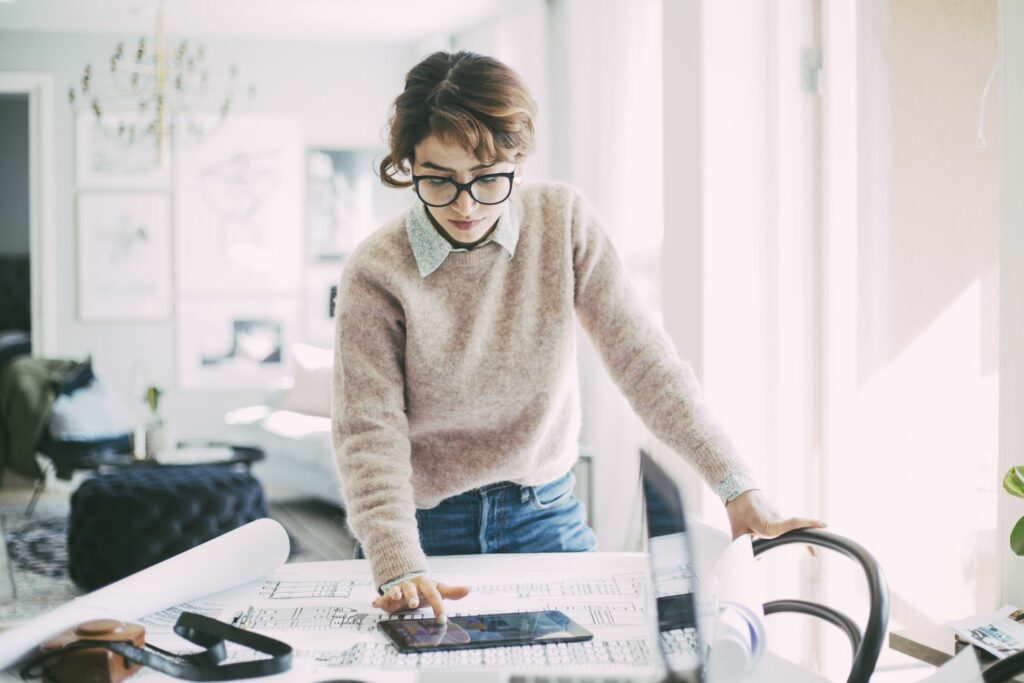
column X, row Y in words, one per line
column 911, row 291
column 605, row 128
column 1011, row 395
column 517, row 35
column 339, row 93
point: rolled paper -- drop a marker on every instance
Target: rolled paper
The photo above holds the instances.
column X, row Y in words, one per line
column 246, row 554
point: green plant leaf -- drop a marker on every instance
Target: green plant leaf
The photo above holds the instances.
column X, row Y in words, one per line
column 1013, row 482
column 1017, row 537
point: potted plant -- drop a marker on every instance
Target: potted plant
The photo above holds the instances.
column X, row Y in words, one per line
column 1013, row 483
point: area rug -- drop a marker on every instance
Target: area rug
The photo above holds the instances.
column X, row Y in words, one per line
column 33, row 554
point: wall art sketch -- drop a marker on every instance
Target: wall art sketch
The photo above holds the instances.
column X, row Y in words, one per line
column 234, row 343
column 124, row 270
column 238, row 209
column 104, row 161
column 345, row 201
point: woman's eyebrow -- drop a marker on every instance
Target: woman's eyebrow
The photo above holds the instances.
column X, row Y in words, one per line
column 430, row 164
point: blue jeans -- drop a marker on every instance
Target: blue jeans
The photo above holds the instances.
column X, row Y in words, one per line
column 506, row 518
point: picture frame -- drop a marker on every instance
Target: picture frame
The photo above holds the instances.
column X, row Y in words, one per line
column 123, row 248
column 229, row 343
column 104, row 162
column 238, row 210
column 346, row 201
column 319, row 301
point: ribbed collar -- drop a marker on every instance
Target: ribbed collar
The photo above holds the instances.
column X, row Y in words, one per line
column 430, row 249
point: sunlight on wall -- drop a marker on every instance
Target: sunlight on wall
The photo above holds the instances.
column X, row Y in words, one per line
column 913, row 475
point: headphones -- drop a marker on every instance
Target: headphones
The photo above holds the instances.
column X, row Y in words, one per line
column 109, row 651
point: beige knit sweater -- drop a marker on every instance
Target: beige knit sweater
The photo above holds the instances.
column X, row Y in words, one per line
column 468, row 376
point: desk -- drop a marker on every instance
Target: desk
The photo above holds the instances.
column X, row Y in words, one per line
column 323, row 610
column 936, row 645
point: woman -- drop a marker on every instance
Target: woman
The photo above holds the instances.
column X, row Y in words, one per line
column 456, row 399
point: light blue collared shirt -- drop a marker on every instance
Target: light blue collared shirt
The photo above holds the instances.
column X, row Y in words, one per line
column 430, row 249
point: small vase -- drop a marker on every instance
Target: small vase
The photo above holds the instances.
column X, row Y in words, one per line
column 159, row 438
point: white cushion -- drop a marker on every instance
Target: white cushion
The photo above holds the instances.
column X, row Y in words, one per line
column 91, row 413
column 312, row 391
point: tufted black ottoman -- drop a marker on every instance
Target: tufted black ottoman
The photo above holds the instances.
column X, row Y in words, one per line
column 132, row 519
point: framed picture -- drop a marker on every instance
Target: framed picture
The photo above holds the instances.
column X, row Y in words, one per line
column 104, row 161
column 319, row 299
column 238, row 210
column 345, row 201
column 234, row 342
column 124, row 251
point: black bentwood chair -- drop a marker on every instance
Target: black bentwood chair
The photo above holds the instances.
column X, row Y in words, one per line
column 1005, row 669
column 867, row 644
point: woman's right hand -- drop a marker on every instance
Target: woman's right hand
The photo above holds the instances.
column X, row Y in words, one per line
column 409, row 594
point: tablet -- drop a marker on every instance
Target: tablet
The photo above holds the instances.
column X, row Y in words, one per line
column 483, row 630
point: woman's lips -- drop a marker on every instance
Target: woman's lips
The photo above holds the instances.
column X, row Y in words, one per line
column 465, row 225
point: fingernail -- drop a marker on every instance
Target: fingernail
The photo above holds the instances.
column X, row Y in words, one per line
column 414, row 603
column 442, row 618
column 396, row 594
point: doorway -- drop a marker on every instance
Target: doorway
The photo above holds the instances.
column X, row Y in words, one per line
column 15, row 282
column 29, row 149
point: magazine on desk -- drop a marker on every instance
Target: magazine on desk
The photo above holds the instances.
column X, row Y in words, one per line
column 1000, row 633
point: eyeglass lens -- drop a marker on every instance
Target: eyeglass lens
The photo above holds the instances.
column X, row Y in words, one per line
column 485, row 190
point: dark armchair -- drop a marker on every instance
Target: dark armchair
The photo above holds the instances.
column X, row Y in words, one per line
column 865, row 644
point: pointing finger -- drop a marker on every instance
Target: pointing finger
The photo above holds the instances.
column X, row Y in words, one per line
column 452, row 592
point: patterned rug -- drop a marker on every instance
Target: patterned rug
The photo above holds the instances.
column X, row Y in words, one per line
column 33, row 555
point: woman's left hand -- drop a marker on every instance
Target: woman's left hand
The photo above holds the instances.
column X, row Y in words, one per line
column 752, row 513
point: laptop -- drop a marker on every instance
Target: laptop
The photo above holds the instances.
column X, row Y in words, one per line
column 681, row 655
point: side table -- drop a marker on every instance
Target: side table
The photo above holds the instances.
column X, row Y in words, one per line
column 187, row 454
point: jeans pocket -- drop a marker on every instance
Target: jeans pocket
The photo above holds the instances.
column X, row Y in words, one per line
column 553, row 493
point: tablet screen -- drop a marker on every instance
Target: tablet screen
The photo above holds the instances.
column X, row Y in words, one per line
column 483, row 630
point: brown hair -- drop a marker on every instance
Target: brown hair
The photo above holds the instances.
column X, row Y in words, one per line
column 462, row 97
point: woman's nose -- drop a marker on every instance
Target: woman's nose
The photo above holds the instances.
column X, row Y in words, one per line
column 464, row 204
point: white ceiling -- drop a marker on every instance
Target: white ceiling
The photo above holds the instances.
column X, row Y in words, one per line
column 317, row 20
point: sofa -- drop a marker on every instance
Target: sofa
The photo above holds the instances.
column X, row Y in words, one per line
column 293, row 427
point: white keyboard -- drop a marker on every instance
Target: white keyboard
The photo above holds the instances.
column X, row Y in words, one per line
column 679, row 641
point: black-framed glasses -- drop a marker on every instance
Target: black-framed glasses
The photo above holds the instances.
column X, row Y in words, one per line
column 436, row 191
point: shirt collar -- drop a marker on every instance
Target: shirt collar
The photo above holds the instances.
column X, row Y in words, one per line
column 430, row 249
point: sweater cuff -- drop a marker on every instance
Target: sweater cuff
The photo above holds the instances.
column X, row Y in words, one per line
column 388, row 585
column 395, row 557
column 734, row 484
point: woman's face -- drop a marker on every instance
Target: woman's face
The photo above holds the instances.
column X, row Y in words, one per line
column 465, row 220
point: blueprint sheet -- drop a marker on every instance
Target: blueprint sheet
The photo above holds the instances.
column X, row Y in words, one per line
column 323, row 609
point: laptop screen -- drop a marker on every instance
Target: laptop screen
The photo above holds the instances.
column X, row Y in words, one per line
column 675, row 583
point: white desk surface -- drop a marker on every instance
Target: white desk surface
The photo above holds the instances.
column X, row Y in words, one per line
column 599, row 590
column 775, row 669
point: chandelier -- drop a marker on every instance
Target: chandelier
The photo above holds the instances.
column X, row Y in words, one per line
column 156, row 95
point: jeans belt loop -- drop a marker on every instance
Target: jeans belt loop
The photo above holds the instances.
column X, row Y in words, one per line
column 524, row 493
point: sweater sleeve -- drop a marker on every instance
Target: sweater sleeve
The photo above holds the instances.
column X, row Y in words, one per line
column 642, row 359
column 369, row 426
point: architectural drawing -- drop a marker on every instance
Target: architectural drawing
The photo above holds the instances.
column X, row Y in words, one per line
column 324, row 610
column 621, row 585
column 307, row 619
column 606, row 654
column 298, row 590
